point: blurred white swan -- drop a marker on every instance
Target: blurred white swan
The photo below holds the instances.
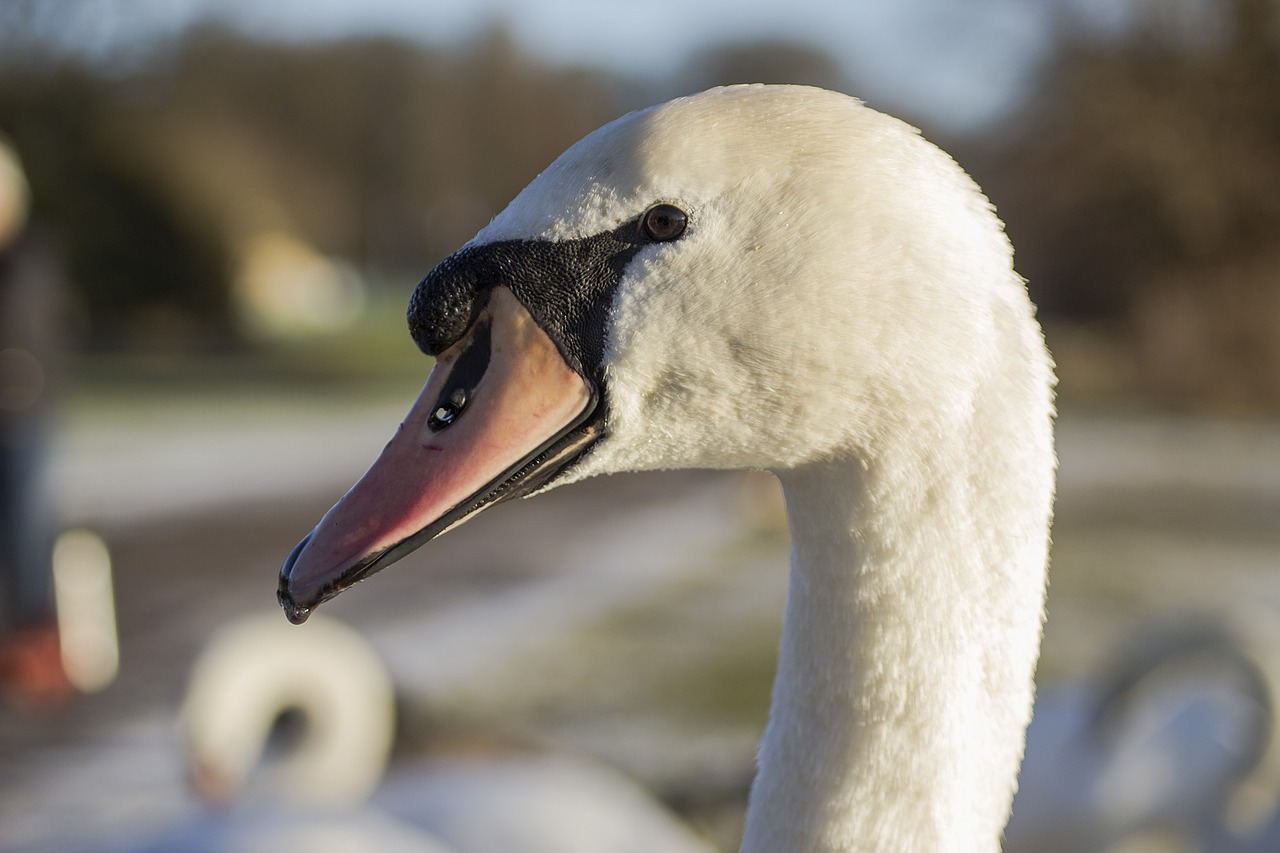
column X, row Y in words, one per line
column 1176, row 747
column 323, row 780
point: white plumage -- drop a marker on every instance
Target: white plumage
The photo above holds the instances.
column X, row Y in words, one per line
column 843, row 312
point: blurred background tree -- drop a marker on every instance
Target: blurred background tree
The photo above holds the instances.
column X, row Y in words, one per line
column 765, row 61
column 1140, row 177
column 146, row 270
column 1141, row 184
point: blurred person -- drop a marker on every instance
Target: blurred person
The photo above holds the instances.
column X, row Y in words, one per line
column 31, row 668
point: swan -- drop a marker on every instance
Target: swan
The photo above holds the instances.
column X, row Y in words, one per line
column 249, row 676
column 778, row 278
column 1178, row 739
column 330, row 786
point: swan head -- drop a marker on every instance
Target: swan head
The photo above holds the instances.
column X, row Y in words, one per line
column 751, row 277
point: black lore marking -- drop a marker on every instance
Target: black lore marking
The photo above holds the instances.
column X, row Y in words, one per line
column 567, row 285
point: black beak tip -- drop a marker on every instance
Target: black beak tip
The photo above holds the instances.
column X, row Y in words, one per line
column 295, row 612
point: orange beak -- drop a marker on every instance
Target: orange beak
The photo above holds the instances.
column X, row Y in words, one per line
column 501, row 413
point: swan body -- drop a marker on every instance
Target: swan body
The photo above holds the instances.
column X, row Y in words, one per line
column 772, row 277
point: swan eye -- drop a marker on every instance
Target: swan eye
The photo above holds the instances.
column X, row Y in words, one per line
column 447, row 410
column 663, row 223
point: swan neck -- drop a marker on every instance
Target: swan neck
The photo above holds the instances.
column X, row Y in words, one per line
column 904, row 683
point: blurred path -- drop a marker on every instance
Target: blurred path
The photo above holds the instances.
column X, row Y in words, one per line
column 123, row 466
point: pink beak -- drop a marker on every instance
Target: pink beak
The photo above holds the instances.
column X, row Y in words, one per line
column 500, row 413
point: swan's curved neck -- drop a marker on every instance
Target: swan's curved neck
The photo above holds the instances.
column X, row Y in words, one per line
column 905, row 672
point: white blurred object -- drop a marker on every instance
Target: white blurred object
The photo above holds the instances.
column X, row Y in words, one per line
column 86, row 610
column 328, row 678
column 15, row 194
column 257, row 670
column 1175, row 750
column 284, row 287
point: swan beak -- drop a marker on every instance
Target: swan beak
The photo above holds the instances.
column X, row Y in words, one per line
column 500, row 415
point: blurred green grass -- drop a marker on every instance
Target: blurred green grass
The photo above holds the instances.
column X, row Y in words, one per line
column 374, row 356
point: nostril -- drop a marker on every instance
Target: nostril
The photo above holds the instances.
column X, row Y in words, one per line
column 447, row 410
